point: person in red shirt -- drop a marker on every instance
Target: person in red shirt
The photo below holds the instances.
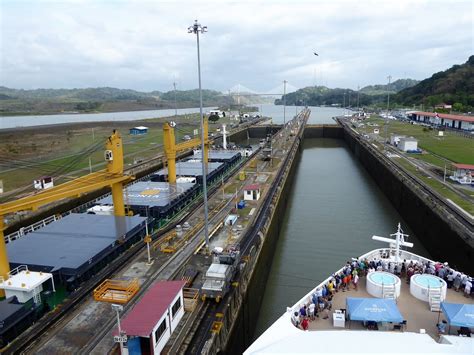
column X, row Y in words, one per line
column 305, row 323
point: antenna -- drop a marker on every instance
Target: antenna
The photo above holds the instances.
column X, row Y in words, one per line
column 398, row 241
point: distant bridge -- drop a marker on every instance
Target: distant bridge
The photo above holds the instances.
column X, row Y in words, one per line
column 241, row 90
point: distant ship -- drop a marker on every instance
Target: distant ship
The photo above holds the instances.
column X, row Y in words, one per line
column 400, row 306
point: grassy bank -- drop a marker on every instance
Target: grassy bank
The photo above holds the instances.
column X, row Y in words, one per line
column 452, row 147
column 437, row 151
column 30, row 153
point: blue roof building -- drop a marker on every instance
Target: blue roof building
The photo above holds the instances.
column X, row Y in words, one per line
column 135, row 131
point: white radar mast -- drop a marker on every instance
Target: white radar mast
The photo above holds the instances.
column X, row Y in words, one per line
column 398, row 242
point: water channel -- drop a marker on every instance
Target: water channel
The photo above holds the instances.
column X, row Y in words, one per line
column 333, row 211
column 276, row 112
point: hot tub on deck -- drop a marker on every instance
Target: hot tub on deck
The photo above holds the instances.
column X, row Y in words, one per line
column 421, row 284
column 378, row 281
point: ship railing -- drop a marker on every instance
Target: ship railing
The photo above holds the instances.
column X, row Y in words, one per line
column 79, row 209
column 31, row 228
column 371, row 255
column 14, row 272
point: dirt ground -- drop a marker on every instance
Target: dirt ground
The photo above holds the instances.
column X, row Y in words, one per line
column 28, row 153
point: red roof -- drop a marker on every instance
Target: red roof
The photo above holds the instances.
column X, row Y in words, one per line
column 447, row 116
column 252, row 187
column 141, row 320
column 464, row 166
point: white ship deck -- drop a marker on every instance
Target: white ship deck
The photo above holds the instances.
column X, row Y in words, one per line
column 282, row 337
column 417, row 313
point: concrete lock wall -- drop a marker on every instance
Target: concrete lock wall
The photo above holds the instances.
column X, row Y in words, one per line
column 439, row 236
column 243, row 328
column 444, row 239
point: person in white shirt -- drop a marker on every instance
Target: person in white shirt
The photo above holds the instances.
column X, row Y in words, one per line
column 391, row 267
column 312, row 306
column 355, row 281
column 467, row 288
column 296, row 319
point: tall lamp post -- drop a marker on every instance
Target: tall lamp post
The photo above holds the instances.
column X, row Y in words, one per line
column 388, row 107
column 358, row 92
column 175, row 105
column 196, row 29
column 118, row 308
column 284, row 102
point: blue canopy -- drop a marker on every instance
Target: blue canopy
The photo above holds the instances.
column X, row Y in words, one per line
column 373, row 309
column 461, row 315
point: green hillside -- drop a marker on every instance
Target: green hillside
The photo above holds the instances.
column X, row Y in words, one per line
column 321, row 95
column 104, row 99
column 393, row 88
column 454, row 86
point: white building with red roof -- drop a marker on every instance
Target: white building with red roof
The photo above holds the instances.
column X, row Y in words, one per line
column 464, row 174
column 444, row 119
column 252, row 192
column 150, row 323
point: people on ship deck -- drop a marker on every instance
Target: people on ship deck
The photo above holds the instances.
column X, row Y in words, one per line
column 295, row 318
column 321, row 300
column 441, row 327
column 468, row 287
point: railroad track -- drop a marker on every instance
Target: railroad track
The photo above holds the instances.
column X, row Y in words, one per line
column 139, row 169
column 44, row 327
column 433, row 195
column 204, row 329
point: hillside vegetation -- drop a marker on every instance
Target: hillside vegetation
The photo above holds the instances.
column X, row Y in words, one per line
column 393, row 88
column 19, row 101
column 322, row 95
column 454, row 86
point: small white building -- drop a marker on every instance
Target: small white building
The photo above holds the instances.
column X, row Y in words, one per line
column 217, row 113
column 252, row 192
column 149, row 325
column 43, row 183
column 464, row 174
column 25, row 284
column 231, row 219
column 408, row 144
column 395, row 139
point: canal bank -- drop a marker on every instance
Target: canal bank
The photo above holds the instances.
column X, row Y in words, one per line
column 445, row 234
column 307, row 259
column 340, row 197
column 334, row 208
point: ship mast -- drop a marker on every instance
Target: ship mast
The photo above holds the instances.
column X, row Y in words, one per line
column 399, row 241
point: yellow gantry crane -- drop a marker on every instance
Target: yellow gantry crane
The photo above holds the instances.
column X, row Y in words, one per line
column 171, row 148
column 111, row 176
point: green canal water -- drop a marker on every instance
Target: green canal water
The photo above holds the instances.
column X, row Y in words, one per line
column 334, row 209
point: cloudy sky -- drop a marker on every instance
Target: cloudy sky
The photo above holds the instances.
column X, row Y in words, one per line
column 144, row 45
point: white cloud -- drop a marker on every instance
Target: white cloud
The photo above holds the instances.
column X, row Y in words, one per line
column 145, row 45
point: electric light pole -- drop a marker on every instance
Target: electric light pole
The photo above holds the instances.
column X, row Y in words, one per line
column 175, row 105
column 358, row 92
column 118, row 308
column 388, row 107
column 284, row 102
column 196, row 29
column 388, row 89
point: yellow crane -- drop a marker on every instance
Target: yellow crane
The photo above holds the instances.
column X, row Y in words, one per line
column 111, row 176
column 171, row 148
